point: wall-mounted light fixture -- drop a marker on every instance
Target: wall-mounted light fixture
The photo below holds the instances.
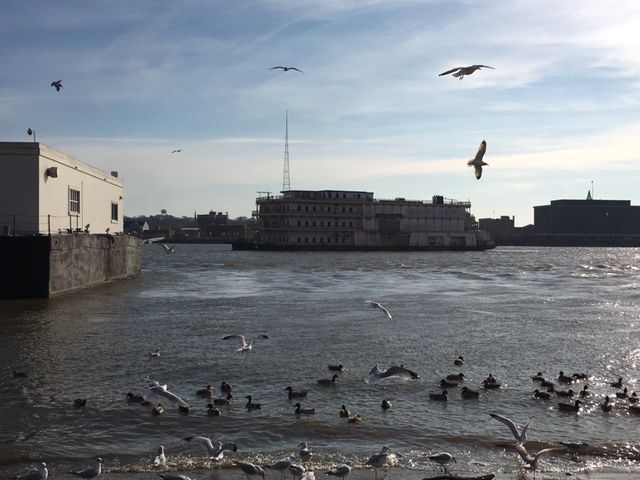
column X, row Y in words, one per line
column 32, row 131
column 52, row 172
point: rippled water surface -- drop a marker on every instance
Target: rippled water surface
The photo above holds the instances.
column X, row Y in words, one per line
column 510, row 312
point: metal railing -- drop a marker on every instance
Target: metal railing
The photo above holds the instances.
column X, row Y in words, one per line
column 12, row 224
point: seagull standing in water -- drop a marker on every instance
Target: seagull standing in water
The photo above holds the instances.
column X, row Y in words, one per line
column 460, row 72
column 519, row 435
column 38, row 473
column 341, row 471
column 282, row 466
column 442, row 459
column 286, row 69
column 249, row 469
column 381, row 307
column 90, row 472
column 382, row 459
column 245, row 347
column 161, row 459
column 477, row 162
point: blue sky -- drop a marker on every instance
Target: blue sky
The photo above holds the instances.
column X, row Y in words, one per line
column 141, row 78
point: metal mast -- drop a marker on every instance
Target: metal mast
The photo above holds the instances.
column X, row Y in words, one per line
column 286, row 181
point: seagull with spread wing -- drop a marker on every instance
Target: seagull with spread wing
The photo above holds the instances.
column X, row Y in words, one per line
column 245, row 347
column 381, row 307
column 519, row 435
column 532, row 460
column 460, row 72
column 477, row 162
column 286, row 69
column 57, row 85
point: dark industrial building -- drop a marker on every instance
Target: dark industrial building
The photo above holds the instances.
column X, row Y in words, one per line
column 587, row 223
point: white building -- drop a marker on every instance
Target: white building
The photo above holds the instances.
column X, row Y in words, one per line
column 44, row 191
column 337, row 219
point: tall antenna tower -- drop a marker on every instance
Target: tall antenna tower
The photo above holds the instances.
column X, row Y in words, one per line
column 286, row 181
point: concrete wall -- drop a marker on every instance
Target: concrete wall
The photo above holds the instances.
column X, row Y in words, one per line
column 43, row 266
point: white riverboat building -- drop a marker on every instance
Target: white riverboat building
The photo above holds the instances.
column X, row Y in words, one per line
column 355, row 220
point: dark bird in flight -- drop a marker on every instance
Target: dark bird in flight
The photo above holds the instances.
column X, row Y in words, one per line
column 176, row 151
column 57, row 84
column 286, row 69
column 477, row 162
column 460, row 72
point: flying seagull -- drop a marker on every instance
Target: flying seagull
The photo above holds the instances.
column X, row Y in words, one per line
column 167, row 248
column 477, row 162
column 520, row 435
column 246, row 347
column 381, row 307
column 286, row 69
column 216, row 452
column 176, row 151
column 532, row 460
column 460, row 72
column 402, row 373
column 57, row 84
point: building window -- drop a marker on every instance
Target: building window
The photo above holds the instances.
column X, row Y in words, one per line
column 74, row 201
column 306, row 208
column 298, row 207
column 114, row 212
column 298, row 222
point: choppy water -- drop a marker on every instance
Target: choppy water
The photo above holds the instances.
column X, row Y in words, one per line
column 509, row 312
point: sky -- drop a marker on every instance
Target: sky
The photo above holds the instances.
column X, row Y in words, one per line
column 560, row 112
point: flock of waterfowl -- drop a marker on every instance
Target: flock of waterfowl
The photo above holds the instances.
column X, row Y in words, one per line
column 560, row 389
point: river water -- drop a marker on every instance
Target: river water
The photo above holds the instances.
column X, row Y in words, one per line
column 510, row 312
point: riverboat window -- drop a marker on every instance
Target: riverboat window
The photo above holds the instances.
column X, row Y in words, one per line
column 314, row 208
column 344, row 195
column 344, row 224
column 298, row 222
column 306, row 223
column 306, row 240
column 314, row 239
column 114, row 212
column 344, row 209
column 299, row 240
column 351, row 209
column 329, row 240
column 299, row 207
column 74, row 201
column 314, row 224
